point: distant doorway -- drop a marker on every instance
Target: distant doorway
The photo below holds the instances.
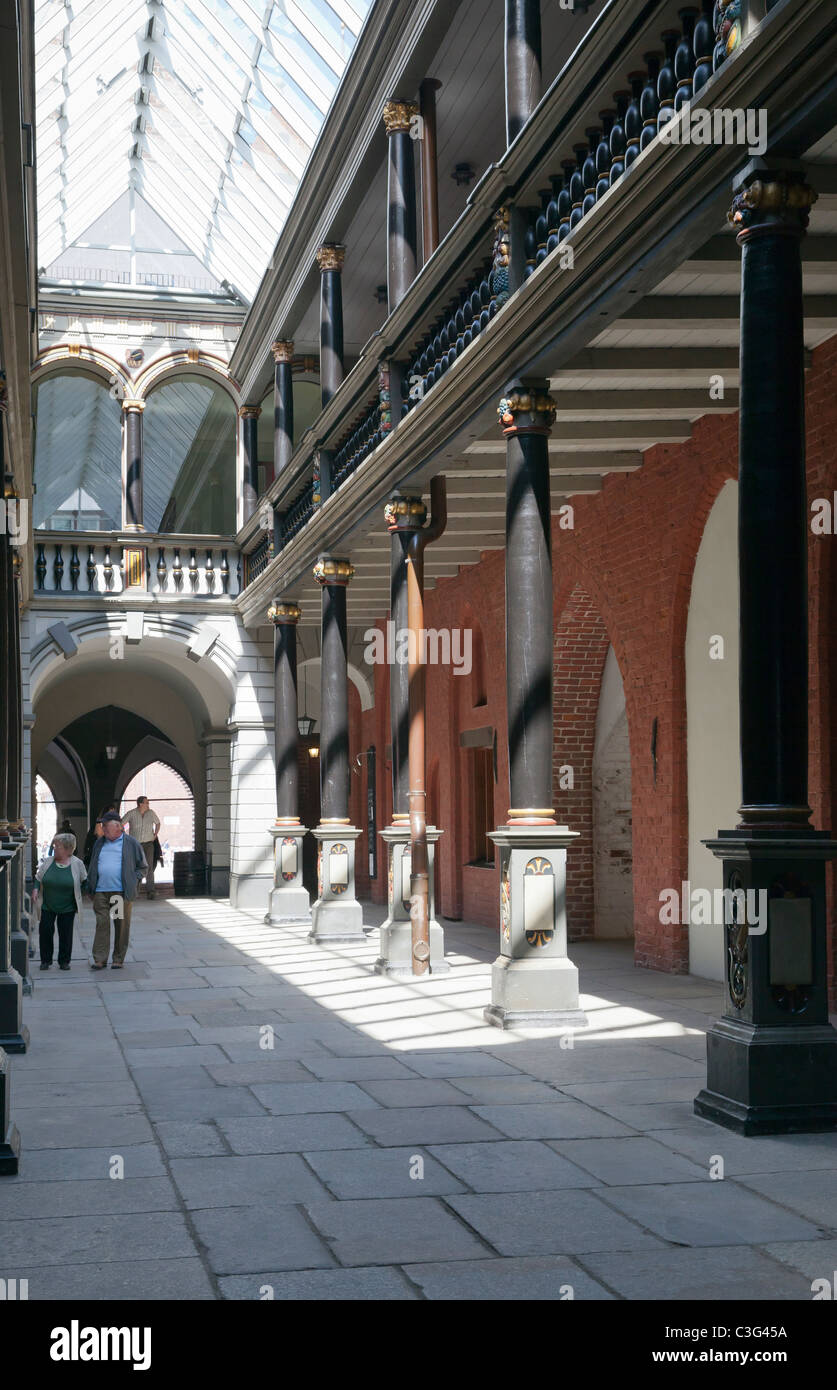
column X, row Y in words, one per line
column 171, row 797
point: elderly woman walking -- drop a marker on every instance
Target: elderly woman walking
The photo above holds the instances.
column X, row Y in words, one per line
column 59, row 880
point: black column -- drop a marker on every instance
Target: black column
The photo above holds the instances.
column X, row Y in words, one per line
column 771, row 213
column 334, row 575
column 771, row 1060
column 401, row 200
column 15, row 773
column 330, row 260
column 283, row 405
column 250, row 441
column 526, row 415
column 523, row 63
column 285, row 617
column 132, row 425
column 6, row 677
column 404, row 515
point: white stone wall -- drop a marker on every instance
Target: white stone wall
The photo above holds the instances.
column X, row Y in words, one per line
column 612, row 842
column 217, row 710
column 714, row 767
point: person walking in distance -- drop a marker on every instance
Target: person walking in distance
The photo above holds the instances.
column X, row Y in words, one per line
column 144, row 824
column 117, row 864
column 59, row 880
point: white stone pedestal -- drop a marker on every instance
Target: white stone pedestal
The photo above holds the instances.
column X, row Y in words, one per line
column 533, row 982
column 289, row 900
column 396, row 949
column 336, row 915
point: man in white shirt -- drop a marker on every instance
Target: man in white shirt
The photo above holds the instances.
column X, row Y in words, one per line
column 144, row 825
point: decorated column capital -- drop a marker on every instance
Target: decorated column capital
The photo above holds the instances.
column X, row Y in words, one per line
column 526, row 409
column 249, row 412
column 283, row 350
column 399, row 115
column 131, row 403
column 770, row 200
column 284, row 612
column 331, row 256
column 332, row 571
column 404, row 512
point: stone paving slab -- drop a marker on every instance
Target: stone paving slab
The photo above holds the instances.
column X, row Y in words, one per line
column 190, row 1139
column 714, row 1213
column 382, row 1173
column 360, row 1069
column 524, row 1163
column 95, row 1238
column 437, row 1125
column 88, row 1128
column 813, row 1259
column 724, row 1272
column 411, row 1092
column 58, row 1165
column 245, row 1073
column 243, row 1240
column 618, row 1162
column 533, row 1279
column 254, row 1180
column 76, row 1092
column 146, row 1280
column 293, row 1133
column 394, row 1230
column 320, row 1285
column 703, row 1141
column 811, row 1194
column 20, row 1201
column 562, row 1118
column 550, row 1223
column 467, row 1062
column 305, row 1098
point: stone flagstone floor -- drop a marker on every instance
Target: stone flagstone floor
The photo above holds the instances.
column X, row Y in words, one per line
column 388, row 1144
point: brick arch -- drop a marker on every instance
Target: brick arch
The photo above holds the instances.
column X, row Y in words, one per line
column 580, row 646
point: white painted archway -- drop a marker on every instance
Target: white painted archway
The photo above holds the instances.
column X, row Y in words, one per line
column 714, row 769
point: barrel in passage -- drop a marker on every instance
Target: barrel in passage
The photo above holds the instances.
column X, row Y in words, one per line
column 189, row 873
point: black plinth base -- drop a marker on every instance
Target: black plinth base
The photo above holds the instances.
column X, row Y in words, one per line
column 15, row 1042
column 10, row 1153
column 770, row 1080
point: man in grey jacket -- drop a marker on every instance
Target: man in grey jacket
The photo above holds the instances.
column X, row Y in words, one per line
column 117, row 863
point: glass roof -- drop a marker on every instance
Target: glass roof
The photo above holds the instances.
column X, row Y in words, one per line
column 207, row 109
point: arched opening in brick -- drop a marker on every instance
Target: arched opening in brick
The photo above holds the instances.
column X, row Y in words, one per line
column 591, row 771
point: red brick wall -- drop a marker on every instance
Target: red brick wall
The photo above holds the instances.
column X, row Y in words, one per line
column 580, row 649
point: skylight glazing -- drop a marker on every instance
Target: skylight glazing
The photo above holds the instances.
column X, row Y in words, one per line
column 207, row 108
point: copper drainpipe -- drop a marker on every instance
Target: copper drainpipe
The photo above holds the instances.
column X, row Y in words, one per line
column 419, row 875
column 429, row 175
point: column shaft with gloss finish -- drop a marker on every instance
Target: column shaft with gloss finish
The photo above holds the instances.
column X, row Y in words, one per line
column 285, row 620
column 250, row 446
column 15, row 770
column 330, row 260
column 429, row 168
column 523, row 63
column 772, row 524
column 399, row 678
column 528, row 599
column 401, row 200
column 283, row 405
column 5, row 678
column 132, row 423
column 334, row 706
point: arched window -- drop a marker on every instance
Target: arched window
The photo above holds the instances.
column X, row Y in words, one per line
column 78, row 454
column 189, row 440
